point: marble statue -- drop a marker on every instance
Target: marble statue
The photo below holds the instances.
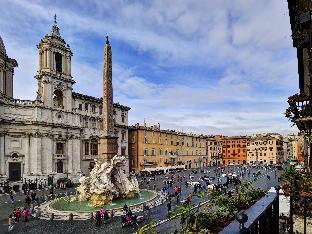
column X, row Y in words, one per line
column 107, row 181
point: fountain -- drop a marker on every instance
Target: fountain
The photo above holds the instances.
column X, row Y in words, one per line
column 107, row 186
column 107, row 181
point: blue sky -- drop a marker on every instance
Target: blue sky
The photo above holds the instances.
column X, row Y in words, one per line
column 207, row 66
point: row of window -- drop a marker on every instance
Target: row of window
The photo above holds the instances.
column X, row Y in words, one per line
column 261, row 149
column 233, row 142
column 234, row 146
column 93, row 107
column 261, row 143
column 145, row 141
column 166, row 152
column 86, row 107
column 234, row 151
column 90, row 147
column 214, row 148
column 89, row 122
column 260, row 154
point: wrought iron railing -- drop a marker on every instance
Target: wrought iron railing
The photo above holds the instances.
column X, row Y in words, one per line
column 263, row 217
column 301, row 207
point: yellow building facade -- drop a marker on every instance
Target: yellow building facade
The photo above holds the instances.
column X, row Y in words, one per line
column 151, row 147
column 265, row 149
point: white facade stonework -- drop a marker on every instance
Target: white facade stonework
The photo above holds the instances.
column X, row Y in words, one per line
column 58, row 133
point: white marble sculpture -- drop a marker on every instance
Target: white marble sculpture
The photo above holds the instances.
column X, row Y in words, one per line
column 107, row 181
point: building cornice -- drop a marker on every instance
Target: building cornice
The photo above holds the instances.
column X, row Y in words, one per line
column 98, row 100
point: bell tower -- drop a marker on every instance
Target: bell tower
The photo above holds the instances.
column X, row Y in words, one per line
column 108, row 141
column 54, row 74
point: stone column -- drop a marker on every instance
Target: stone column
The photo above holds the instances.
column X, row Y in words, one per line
column 49, row 59
column 39, row 60
column 45, row 58
column 77, row 155
column 70, row 156
column 1, row 80
column 36, row 155
column 27, row 154
column 52, row 60
column 49, row 156
column 69, row 67
column 63, row 64
column 2, row 154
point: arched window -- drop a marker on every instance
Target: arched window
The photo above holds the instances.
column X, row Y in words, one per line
column 58, row 98
column 58, row 62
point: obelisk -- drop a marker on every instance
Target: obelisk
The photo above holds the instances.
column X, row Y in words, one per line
column 108, row 141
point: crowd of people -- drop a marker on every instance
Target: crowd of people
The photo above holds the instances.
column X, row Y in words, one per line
column 191, row 182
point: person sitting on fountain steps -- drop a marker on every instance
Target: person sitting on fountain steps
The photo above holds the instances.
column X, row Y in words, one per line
column 106, row 217
column 98, row 218
column 125, row 208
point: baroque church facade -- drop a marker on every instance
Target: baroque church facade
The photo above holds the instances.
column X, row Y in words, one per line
column 58, row 133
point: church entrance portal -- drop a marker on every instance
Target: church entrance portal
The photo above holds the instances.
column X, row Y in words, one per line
column 15, row 171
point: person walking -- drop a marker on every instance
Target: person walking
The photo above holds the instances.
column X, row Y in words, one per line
column 26, row 213
column 10, row 223
column 98, row 219
column 18, row 214
column 169, row 206
column 125, row 208
column 27, row 200
column 146, row 212
column 106, row 217
column 178, row 199
column 33, row 196
column 11, row 196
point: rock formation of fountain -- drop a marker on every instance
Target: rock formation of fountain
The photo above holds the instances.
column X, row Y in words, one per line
column 107, row 181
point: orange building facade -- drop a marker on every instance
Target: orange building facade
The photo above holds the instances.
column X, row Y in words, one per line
column 234, row 150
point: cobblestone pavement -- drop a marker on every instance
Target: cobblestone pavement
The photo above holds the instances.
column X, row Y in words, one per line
column 88, row 226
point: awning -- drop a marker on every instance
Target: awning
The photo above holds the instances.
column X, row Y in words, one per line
column 163, row 168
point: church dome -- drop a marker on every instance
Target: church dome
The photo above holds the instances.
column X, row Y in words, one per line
column 2, row 47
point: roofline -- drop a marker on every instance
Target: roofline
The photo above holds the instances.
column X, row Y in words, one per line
column 98, row 100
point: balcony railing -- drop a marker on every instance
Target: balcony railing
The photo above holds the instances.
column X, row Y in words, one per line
column 170, row 162
column 263, row 217
column 59, row 156
column 90, row 157
column 300, row 111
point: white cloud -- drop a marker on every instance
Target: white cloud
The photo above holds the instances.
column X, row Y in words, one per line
column 249, row 41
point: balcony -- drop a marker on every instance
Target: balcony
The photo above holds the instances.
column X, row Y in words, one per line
column 299, row 111
column 170, row 162
column 59, row 156
column 90, row 157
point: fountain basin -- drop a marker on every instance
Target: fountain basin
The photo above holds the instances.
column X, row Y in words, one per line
column 62, row 204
